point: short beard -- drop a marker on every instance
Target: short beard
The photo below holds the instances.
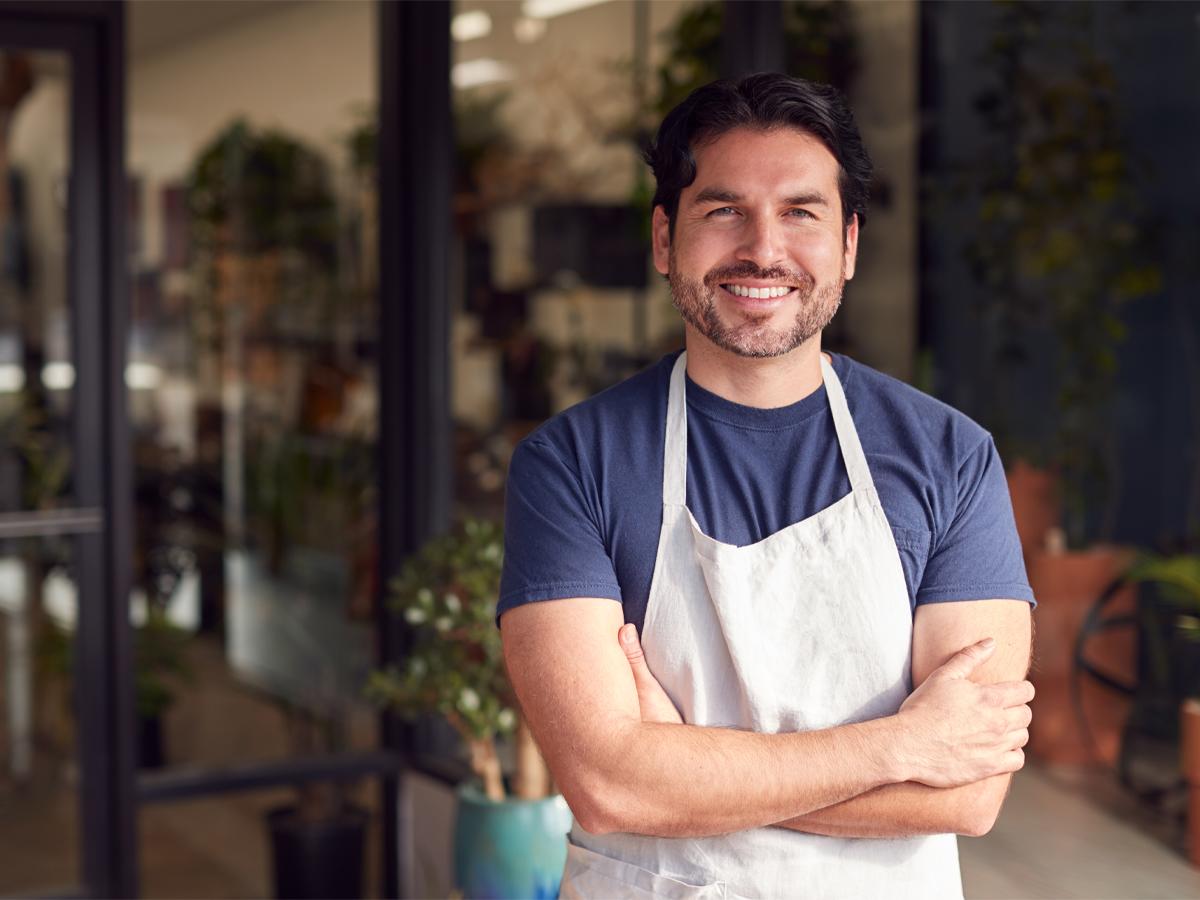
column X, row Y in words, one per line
column 753, row 337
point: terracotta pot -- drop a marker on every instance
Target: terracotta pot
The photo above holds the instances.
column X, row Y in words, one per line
column 1066, row 585
column 1036, row 504
column 1189, row 762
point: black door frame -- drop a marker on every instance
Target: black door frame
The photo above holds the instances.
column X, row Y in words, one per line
column 92, row 35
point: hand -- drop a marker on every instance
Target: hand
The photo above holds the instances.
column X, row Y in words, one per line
column 656, row 706
column 958, row 732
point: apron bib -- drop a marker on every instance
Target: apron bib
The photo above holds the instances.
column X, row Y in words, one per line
column 808, row 628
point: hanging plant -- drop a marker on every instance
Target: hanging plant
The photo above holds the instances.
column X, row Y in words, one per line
column 257, row 191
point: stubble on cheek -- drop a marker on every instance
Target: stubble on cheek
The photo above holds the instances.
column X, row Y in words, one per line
column 753, row 335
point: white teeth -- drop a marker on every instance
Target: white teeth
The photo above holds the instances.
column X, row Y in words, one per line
column 757, row 293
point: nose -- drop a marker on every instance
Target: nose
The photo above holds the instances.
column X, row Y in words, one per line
column 762, row 241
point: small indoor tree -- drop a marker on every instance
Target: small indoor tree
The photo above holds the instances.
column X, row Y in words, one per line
column 446, row 594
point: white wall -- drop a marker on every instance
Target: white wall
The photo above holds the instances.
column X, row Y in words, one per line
column 306, row 69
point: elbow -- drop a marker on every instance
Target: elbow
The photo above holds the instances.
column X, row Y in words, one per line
column 978, row 814
column 978, row 823
column 589, row 812
column 593, row 804
column 599, row 787
column 593, row 821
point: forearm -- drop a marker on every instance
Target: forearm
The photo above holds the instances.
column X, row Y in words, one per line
column 909, row 809
column 686, row 781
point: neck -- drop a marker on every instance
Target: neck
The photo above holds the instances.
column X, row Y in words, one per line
column 763, row 383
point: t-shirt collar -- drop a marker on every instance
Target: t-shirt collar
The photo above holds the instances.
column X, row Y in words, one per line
column 711, row 405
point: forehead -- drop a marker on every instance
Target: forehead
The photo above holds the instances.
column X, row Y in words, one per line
column 778, row 161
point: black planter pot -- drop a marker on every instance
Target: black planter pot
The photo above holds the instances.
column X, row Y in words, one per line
column 318, row 859
column 150, row 742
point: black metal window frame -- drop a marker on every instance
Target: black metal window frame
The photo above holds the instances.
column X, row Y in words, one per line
column 92, row 37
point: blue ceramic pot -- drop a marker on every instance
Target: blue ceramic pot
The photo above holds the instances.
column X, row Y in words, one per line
column 514, row 848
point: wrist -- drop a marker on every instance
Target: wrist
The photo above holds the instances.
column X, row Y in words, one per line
column 888, row 741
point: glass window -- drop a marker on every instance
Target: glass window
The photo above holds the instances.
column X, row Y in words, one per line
column 39, row 772
column 556, row 296
column 253, row 396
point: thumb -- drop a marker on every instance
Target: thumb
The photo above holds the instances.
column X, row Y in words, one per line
column 968, row 659
column 633, row 652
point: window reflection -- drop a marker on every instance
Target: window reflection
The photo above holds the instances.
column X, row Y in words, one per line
column 556, row 296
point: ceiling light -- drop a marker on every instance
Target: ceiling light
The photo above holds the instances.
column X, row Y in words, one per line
column 12, row 378
column 476, row 72
column 142, row 376
column 548, row 9
column 528, row 30
column 467, row 26
column 58, row 376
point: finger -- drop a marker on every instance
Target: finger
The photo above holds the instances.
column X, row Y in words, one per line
column 1018, row 717
column 967, row 660
column 633, row 652
column 1018, row 738
column 1008, row 693
column 1012, row 761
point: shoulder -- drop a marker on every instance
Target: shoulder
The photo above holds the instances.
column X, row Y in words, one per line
column 892, row 414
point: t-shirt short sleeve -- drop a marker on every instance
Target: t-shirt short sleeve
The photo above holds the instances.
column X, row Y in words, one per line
column 978, row 556
column 553, row 543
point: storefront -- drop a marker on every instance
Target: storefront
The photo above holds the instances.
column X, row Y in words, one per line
column 282, row 286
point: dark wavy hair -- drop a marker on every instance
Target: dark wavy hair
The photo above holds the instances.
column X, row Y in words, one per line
column 763, row 101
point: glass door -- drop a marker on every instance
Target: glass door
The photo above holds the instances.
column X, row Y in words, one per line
column 65, row 771
column 39, row 512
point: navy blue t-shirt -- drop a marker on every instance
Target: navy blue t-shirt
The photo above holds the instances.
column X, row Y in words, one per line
column 583, row 506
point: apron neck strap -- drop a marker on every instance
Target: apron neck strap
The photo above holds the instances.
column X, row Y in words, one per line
column 675, row 446
column 675, row 449
column 852, row 452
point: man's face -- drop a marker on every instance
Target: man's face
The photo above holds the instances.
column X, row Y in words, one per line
column 762, row 216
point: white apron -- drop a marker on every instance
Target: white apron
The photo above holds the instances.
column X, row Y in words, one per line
column 808, row 628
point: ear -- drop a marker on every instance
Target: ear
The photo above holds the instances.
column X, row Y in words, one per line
column 660, row 237
column 850, row 251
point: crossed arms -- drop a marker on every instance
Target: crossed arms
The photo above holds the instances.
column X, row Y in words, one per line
column 941, row 764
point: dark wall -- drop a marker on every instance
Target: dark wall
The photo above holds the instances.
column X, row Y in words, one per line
column 1154, row 49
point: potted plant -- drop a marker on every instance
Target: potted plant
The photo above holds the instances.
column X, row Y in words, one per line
column 1058, row 247
column 1176, row 665
column 505, row 844
column 159, row 665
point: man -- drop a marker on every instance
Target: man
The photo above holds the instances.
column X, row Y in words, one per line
column 825, row 540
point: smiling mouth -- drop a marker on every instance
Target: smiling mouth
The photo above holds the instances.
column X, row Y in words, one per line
column 774, row 292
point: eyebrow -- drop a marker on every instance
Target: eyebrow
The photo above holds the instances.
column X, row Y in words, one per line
column 724, row 195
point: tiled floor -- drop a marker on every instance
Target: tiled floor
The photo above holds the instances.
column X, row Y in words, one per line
column 1067, row 833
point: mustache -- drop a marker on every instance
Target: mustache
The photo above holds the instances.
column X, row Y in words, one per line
column 750, row 270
